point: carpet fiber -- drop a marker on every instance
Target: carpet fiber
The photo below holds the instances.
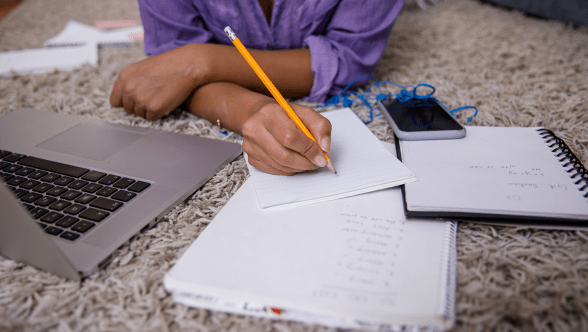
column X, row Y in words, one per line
column 518, row 71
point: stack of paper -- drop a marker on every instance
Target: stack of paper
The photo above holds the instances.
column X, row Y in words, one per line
column 345, row 256
column 363, row 165
column 78, row 45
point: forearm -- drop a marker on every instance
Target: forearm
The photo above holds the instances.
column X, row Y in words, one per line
column 289, row 70
column 229, row 103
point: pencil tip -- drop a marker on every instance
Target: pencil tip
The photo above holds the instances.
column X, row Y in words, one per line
column 331, row 167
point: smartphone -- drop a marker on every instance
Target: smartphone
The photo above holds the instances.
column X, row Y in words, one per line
column 421, row 119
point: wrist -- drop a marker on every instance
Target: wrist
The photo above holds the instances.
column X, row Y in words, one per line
column 199, row 66
column 255, row 108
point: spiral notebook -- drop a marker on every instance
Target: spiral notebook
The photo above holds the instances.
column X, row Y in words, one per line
column 354, row 262
column 497, row 174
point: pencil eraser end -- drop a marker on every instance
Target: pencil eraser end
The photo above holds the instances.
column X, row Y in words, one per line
column 230, row 33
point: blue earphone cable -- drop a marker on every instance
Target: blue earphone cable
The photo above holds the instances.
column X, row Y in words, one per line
column 407, row 95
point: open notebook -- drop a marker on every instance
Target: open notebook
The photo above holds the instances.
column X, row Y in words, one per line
column 497, row 174
column 351, row 263
column 355, row 262
column 363, row 164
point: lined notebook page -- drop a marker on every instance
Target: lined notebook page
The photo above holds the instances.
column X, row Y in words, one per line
column 353, row 259
column 363, row 164
column 493, row 170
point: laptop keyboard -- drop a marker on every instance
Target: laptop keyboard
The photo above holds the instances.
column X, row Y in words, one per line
column 67, row 200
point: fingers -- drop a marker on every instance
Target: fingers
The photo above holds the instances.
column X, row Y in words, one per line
column 116, row 94
column 318, row 125
column 264, row 163
column 292, row 138
column 275, row 145
column 152, row 88
column 263, row 146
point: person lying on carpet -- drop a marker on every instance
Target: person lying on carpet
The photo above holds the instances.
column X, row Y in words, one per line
column 309, row 49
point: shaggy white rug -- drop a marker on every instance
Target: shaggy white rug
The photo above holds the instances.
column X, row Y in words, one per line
column 518, row 71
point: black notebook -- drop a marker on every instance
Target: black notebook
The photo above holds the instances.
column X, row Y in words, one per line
column 497, row 173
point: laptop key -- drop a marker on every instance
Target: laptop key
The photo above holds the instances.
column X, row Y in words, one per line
column 38, row 212
column 138, row 186
column 63, row 181
column 6, row 176
column 56, row 191
column 123, row 183
column 14, row 157
column 59, row 205
column 106, row 191
column 109, row 179
column 15, row 181
column 67, row 221
column 71, row 194
column 20, row 192
column 93, row 176
column 25, row 171
column 45, row 200
column 4, row 164
column 51, row 217
column 4, row 153
column 92, row 187
column 50, row 177
column 85, row 199
column 74, row 209
column 42, row 187
column 77, row 184
column 53, row 230
column 30, row 197
column 29, row 184
column 53, row 166
column 94, row 214
column 69, row 236
column 123, row 195
column 106, row 204
column 11, row 168
column 82, row 226
column 43, row 226
column 37, row 175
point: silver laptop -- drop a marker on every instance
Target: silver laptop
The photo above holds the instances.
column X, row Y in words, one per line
column 74, row 189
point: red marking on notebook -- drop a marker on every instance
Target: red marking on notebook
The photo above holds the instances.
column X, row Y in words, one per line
column 276, row 311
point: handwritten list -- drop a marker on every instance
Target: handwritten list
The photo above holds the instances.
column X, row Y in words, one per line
column 352, row 258
column 493, row 170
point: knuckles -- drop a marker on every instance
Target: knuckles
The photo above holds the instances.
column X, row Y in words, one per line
column 289, row 136
column 323, row 125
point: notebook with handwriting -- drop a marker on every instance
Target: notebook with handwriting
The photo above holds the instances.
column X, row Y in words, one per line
column 355, row 262
column 497, row 173
column 363, row 164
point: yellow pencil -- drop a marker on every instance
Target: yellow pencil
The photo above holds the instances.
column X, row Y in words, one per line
column 271, row 87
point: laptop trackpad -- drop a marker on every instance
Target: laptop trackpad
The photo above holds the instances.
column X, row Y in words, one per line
column 90, row 141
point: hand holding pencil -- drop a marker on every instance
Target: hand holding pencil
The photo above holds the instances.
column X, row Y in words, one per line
column 275, row 93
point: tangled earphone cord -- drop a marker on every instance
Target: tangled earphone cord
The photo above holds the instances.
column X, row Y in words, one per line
column 407, row 95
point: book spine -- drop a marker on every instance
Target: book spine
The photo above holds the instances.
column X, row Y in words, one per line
column 567, row 158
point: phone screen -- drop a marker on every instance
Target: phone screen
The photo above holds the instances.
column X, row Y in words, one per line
column 421, row 115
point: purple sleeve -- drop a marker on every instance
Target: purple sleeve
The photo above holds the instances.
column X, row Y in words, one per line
column 170, row 24
column 353, row 42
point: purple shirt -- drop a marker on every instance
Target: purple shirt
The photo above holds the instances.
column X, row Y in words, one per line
column 346, row 38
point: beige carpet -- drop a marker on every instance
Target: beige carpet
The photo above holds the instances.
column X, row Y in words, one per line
column 519, row 71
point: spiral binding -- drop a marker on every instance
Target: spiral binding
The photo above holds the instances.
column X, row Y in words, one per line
column 576, row 168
